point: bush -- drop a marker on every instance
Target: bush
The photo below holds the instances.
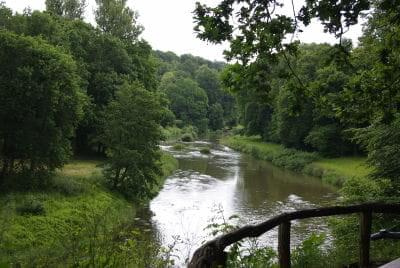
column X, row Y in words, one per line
column 26, row 180
column 178, row 146
column 293, row 159
column 238, row 130
column 171, row 133
column 205, row 150
column 31, row 207
column 333, row 179
column 326, row 140
column 310, row 253
column 187, row 137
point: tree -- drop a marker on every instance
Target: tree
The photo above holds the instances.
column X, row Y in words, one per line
column 131, row 135
column 40, row 106
column 216, row 116
column 187, row 100
column 257, row 29
column 71, row 9
column 115, row 18
column 104, row 61
column 208, row 80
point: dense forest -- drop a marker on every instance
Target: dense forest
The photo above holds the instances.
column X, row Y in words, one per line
column 195, row 94
column 88, row 83
column 70, row 90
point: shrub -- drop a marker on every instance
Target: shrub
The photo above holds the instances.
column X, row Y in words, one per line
column 205, row 150
column 238, row 130
column 310, row 253
column 31, row 207
column 333, row 179
column 187, row 137
column 171, row 133
column 293, row 159
column 178, row 146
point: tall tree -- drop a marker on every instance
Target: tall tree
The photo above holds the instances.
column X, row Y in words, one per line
column 40, row 105
column 115, row 18
column 131, row 135
column 72, row 9
column 188, row 101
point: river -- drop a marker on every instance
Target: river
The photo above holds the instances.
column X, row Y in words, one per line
column 210, row 188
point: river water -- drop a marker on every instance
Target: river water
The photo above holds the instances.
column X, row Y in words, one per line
column 211, row 188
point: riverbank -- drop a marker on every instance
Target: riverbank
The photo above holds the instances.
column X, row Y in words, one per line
column 334, row 171
column 77, row 221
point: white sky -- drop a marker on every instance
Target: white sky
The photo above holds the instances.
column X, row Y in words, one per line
column 169, row 25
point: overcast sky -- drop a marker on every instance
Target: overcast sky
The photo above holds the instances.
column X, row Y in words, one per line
column 169, row 25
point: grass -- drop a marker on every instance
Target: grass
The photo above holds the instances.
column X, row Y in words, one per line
column 277, row 154
column 76, row 221
column 254, row 141
column 168, row 165
column 334, row 171
column 346, row 166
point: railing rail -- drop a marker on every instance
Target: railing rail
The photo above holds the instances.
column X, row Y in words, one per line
column 212, row 254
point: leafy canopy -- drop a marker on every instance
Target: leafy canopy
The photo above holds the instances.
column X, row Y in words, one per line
column 40, row 105
column 131, row 133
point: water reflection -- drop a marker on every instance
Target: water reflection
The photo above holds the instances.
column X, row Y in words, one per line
column 254, row 190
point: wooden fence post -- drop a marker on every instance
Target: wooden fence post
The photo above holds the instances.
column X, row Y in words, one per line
column 284, row 245
column 365, row 238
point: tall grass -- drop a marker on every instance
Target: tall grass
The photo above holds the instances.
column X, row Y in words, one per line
column 77, row 221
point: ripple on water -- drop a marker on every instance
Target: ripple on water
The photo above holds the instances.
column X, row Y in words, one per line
column 239, row 185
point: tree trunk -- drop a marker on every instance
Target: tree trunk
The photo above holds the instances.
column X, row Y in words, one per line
column 4, row 171
column 2, row 174
column 117, row 175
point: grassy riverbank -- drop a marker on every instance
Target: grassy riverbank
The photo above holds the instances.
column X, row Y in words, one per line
column 76, row 221
column 331, row 170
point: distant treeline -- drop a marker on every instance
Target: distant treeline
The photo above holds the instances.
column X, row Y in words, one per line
column 196, row 97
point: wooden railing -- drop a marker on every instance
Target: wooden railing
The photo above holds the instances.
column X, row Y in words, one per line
column 212, row 254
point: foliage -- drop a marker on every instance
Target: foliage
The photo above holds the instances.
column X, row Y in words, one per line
column 216, row 116
column 40, row 106
column 71, row 9
column 257, row 30
column 382, row 141
column 131, row 135
column 115, row 18
column 31, row 207
column 187, row 137
column 346, row 230
column 168, row 165
column 175, row 134
column 65, row 186
column 344, row 166
column 277, row 154
column 221, row 107
column 208, row 80
column 178, row 146
column 321, row 139
column 311, row 253
column 92, row 227
column 187, row 100
column 205, row 150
